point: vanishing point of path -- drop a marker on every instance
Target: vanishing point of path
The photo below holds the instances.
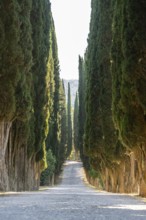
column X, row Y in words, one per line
column 71, row 200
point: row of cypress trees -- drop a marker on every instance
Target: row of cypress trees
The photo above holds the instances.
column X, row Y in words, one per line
column 112, row 139
column 32, row 96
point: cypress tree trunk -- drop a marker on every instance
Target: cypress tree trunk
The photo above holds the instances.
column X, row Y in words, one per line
column 4, row 135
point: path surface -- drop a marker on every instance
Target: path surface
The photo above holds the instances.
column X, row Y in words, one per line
column 71, row 200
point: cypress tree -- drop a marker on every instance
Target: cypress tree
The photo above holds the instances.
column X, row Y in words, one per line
column 47, row 175
column 76, row 124
column 100, row 136
column 63, row 126
column 69, row 123
column 16, row 68
column 23, row 90
column 128, row 71
column 41, row 20
column 23, row 93
column 56, row 148
column 10, row 58
column 55, row 141
column 93, row 131
column 82, row 113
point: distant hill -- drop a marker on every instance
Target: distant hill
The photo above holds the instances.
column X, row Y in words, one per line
column 73, row 87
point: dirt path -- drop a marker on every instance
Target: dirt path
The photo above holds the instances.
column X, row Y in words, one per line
column 71, row 200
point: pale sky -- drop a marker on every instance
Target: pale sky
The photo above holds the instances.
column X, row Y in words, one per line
column 72, row 18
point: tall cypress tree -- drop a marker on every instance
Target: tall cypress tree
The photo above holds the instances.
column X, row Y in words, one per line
column 128, row 71
column 82, row 112
column 56, row 140
column 41, row 20
column 69, row 123
column 53, row 140
column 76, row 122
column 63, row 125
column 100, row 135
column 56, row 129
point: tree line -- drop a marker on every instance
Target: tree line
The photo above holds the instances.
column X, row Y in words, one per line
column 111, row 113
column 33, row 117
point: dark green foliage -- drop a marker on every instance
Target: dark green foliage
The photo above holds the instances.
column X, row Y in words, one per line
column 116, row 37
column 47, row 174
column 63, row 125
column 69, row 124
column 76, row 122
column 82, row 113
column 23, row 93
column 82, row 89
column 57, row 137
column 23, row 90
column 100, row 134
column 10, row 57
column 41, row 20
column 21, row 129
column 128, row 71
column 93, row 131
column 56, row 140
column 16, row 61
column 54, row 135
column 55, row 113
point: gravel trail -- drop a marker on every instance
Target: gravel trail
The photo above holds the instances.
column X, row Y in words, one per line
column 71, row 200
